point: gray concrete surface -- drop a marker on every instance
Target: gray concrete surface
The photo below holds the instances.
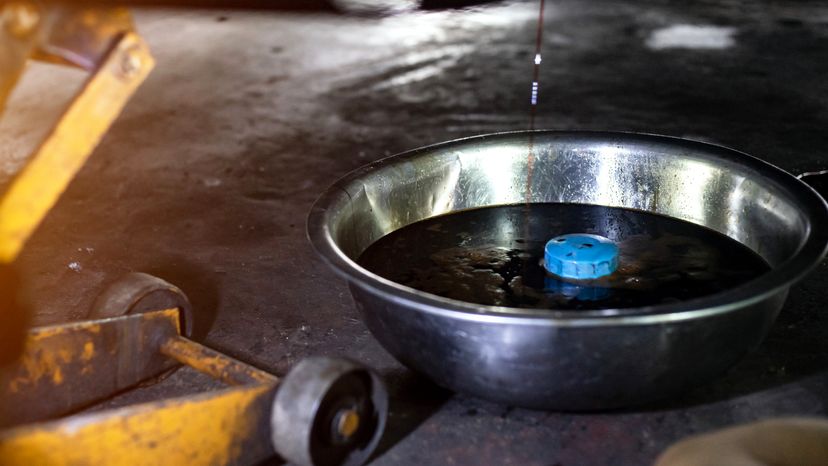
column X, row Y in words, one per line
column 207, row 178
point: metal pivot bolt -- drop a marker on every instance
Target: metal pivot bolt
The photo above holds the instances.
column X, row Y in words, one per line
column 130, row 63
column 328, row 412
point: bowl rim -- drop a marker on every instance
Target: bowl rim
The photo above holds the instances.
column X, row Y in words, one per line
column 809, row 254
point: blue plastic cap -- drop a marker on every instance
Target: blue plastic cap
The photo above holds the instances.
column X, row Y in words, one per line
column 580, row 256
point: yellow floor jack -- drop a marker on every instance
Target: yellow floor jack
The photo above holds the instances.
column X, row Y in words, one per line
column 324, row 412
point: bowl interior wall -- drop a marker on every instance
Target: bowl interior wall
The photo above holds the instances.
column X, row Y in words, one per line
column 698, row 183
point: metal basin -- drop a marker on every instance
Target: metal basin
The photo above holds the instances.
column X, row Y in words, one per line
column 573, row 360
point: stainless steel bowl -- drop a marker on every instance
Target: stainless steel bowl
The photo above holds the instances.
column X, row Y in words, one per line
column 573, row 360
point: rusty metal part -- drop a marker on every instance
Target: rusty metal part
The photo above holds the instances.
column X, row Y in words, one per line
column 333, row 407
column 328, row 411
column 99, row 41
column 15, row 49
column 66, row 367
column 82, row 36
column 213, row 363
column 223, row 427
column 231, row 426
column 39, row 184
column 137, row 292
column 16, row 315
column 18, row 38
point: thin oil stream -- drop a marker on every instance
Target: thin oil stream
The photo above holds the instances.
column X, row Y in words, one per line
column 533, row 105
column 533, row 100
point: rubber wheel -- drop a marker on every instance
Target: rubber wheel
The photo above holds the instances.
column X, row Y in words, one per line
column 140, row 292
column 328, row 412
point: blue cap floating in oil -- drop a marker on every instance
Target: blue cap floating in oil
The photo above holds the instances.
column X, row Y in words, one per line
column 580, row 256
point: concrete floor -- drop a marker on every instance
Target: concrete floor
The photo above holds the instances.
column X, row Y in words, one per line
column 207, row 178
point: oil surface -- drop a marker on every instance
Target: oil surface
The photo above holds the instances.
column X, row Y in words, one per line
column 493, row 255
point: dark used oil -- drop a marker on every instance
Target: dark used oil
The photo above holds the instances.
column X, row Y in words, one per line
column 492, row 256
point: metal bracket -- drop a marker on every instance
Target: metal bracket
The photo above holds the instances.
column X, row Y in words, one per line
column 37, row 187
